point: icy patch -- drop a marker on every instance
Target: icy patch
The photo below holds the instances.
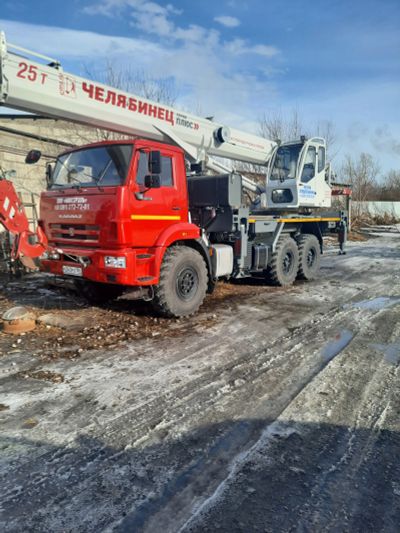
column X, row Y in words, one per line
column 338, row 344
column 48, row 292
column 376, row 304
column 254, row 454
column 391, row 352
column 396, row 488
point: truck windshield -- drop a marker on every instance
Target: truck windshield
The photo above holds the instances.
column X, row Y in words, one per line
column 91, row 167
column 285, row 162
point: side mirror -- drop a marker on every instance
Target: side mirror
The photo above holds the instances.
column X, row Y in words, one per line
column 49, row 174
column 33, row 156
column 155, row 162
column 152, row 181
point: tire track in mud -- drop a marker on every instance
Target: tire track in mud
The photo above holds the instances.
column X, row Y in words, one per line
column 202, row 396
column 272, row 378
column 343, row 473
column 301, row 386
column 376, row 403
column 236, row 438
column 233, row 367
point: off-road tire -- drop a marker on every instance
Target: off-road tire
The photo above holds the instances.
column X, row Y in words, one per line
column 183, row 283
column 309, row 256
column 98, row 293
column 282, row 270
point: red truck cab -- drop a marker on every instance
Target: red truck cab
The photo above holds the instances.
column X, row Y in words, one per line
column 102, row 222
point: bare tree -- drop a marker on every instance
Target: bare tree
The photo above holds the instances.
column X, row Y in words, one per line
column 289, row 127
column 277, row 126
column 326, row 130
column 361, row 174
column 390, row 187
column 160, row 90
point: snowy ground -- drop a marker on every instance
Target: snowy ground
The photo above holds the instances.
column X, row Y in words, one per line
column 272, row 410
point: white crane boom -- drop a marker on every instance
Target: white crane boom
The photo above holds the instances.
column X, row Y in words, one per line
column 43, row 87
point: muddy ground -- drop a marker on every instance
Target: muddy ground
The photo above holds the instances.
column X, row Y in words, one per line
column 271, row 410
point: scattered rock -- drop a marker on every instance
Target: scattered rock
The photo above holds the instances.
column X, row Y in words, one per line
column 30, row 423
column 46, row 375
column 4, row 407
column 63, row 322
column 297, row 470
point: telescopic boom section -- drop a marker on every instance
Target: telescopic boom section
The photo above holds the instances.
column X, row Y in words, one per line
column 41, row 86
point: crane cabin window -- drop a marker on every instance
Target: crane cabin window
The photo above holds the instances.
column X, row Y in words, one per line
column 285, row 162
column 309, row 165
column 321, row 158
column 93, row 167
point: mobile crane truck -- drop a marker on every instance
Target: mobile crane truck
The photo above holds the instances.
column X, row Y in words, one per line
column 157, row 214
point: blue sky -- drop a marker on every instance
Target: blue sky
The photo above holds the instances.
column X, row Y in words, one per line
column 331, row 60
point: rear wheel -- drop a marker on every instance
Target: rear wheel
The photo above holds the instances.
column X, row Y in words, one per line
column 183, row 282
column 309, row 256
column 284, row 264
column 98, row 293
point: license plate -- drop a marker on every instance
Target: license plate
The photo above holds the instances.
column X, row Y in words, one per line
column 72, row 270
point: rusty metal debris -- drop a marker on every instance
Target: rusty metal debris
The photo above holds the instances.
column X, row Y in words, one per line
column 18, row 320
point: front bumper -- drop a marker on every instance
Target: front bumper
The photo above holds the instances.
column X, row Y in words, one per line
column 142, row 265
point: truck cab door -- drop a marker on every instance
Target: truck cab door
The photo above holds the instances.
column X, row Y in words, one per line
column 313, row 186
column 155, row 209
column 282, row 185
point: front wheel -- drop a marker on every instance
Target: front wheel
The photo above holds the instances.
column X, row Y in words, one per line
column 183, row 283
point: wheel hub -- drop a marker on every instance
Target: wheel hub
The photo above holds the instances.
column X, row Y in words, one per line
column 310, row 257
column 187, row 283
column 287, row 262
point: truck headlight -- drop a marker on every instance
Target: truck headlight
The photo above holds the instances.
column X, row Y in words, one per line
column 114, row 262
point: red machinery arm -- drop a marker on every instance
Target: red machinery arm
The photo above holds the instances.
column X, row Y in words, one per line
column 14, row 220
column 343, row 191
